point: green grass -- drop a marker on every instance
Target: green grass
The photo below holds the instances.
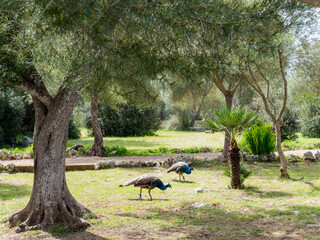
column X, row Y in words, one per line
column 268, row 208
column 167, row 139
column 164, row 142
column 301, row 143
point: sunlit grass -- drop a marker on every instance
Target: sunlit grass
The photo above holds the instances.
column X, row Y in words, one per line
column 169, row 139
column 265, row 209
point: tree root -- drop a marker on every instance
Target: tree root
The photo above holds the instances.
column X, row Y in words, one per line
column 34, row 217
column 95, row 150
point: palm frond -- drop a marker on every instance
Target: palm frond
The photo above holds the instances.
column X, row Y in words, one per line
column 232, row 120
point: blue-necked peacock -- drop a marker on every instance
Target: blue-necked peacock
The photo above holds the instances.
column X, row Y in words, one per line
column 146, row 181
column 180, row 168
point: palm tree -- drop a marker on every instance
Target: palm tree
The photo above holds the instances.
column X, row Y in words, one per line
column 233, row 121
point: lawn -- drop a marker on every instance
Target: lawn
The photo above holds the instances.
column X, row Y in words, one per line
column 268, row 208
column 168, row 139
column 191, row 142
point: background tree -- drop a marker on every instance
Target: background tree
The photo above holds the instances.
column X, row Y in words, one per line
column 256, row 78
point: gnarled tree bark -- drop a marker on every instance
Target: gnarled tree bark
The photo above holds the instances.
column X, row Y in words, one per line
column 97, row 148
column 51, row 201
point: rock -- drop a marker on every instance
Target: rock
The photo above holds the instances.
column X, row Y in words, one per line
column 164, row 150
column 113, row 152
column 10, row 156
column 199, row 205
column 177, row 150
column 199, row 190
column 206, row 149
column 28, row 155
column 272, row 156
column 2, row 166
column 307, row 146
column 292, row 158
column 25, row 141
column 3, row 155
column 80, row 150
column 316, row 145
column 265, row 158
column 104, row 164
column 313, row 225
column 252, row 158
column 317, row 155
column 71, row 152
column 11, row 167
column 18, row 156
column 286, row 145
column 296, row 213
column 308, row 156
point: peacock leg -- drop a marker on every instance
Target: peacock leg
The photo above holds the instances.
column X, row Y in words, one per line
column 140, row 192
column 150, row 194
column 183, row 177
column 179, row 177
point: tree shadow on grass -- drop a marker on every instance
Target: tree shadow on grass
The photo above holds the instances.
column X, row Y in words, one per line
column 175, row 180
column 314, row 187
column 10, row 191
column 72, row 235
column 254, row 191
column 149, row 200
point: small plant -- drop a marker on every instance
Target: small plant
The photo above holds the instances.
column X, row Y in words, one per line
column 244, row 173
column 259, row 140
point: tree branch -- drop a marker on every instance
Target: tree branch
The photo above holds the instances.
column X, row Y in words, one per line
column 284, row 85
column 314, row 3
column 34, row 85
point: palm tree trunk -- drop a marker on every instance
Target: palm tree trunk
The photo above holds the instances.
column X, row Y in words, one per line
column 235, row 170
column 225, row 153
column 235, row 167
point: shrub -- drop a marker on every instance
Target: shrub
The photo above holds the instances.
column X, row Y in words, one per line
column 11, row 115
column 289, row 125
column 244, row 173
column 127, row 121
column 311, row 127
column 74, row 130
column 310, row 114
column 180, row 121
column 259, row 139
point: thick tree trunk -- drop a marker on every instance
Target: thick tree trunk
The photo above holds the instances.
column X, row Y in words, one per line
column 97, row 148
column 51, row 201
column 225, row 154
column 235, row 167
column 283, row 160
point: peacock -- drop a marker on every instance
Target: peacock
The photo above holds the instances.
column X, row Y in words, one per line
column 180, row 168
column 146, row 181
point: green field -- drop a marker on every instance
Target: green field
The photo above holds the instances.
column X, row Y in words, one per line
column 168, row 139
column 268, row 208
column 192, row 142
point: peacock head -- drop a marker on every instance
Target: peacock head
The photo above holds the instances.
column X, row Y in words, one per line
column 169, row 185
column 192, row 169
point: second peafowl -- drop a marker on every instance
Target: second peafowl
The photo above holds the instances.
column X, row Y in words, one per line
column 180, row 168
column 146, row 181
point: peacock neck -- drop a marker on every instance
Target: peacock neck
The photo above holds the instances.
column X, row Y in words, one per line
column 163, row 187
